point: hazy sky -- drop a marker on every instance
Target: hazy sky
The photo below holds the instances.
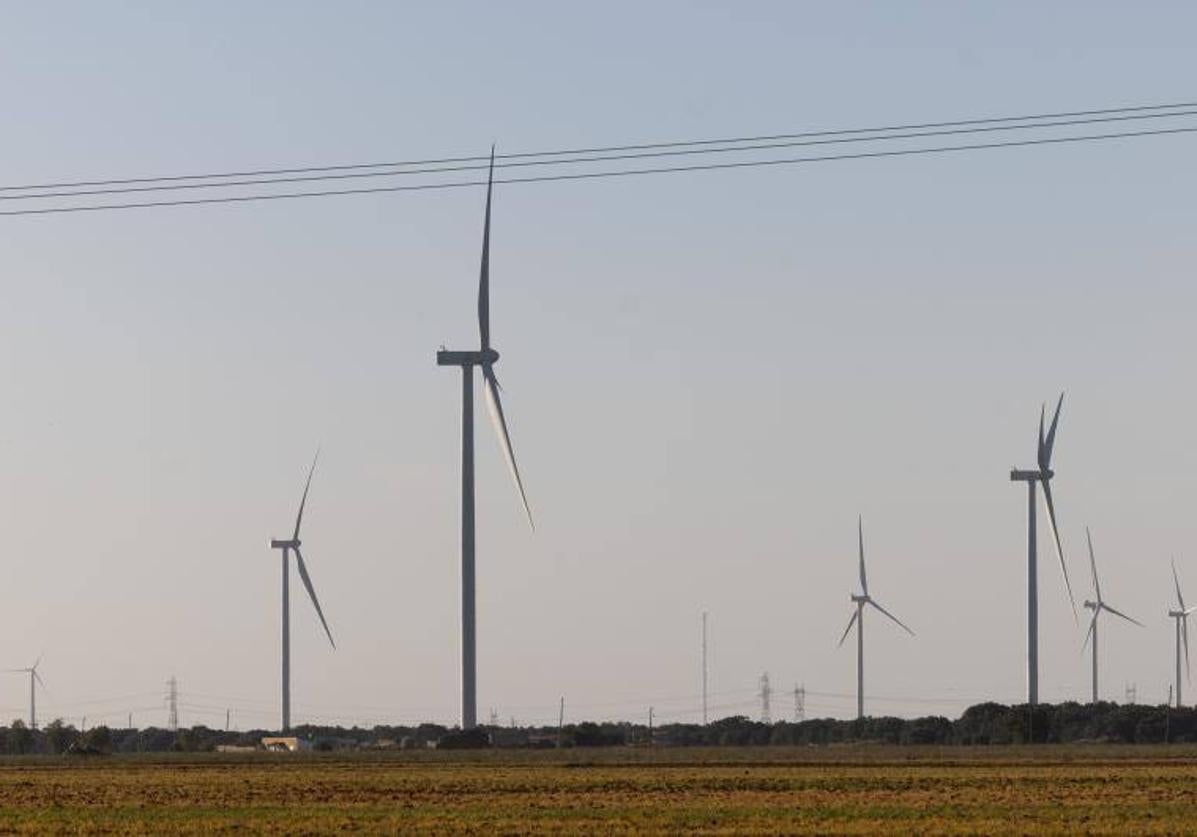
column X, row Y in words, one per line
column 707, row 376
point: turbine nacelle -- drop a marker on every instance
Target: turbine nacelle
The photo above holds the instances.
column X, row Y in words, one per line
column 294, row 543
column 1017, row 475
column 483, row 357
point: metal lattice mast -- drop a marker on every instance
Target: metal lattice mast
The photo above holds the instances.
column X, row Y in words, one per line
column 765, row 693
column 799, row 703
column 172, row 699
column 704, row 668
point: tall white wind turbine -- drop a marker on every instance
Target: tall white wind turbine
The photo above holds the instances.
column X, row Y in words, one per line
column 1097, row 607
column 1040, row 476
column 485, row 357
column 858, row 620
column 1181, row 616
column 289, row 546
column 34, row 680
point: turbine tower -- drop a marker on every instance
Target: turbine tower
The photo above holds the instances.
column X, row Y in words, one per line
column 858, row 620
column 1040, row 476
column 289, row 546
column 1097, row 607
column 1181, row 617
column 34, row 679
column 485, row 357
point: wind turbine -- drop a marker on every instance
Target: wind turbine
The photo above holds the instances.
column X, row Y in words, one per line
column 1181, row 617
column 486, row 357
column 34, row 678
column 1040, row 476
column 289, row 546
column 1097, row 607
column 858, row 620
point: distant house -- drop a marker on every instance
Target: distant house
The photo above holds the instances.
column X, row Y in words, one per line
column 285, row 744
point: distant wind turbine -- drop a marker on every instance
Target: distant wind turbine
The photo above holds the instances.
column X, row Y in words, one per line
column 1097, row 607
column 486, row 357
column 858, row 620
column 34, row 679
column 1181, row 617
column 288, row 546
column 1040, row 476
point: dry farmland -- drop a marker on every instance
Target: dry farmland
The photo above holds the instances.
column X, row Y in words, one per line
column 1095, row 789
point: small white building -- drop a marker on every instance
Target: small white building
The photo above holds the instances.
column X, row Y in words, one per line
column 285, row 744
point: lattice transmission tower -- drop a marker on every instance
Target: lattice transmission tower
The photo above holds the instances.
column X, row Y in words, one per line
column 765, row 693
column 172, row 704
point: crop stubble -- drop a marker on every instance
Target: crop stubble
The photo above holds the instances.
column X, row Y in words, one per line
column 709, row 791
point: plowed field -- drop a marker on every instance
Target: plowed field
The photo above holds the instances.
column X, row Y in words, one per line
column 850, row 790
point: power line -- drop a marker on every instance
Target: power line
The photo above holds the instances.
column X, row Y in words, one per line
column 610, row 148
column 906, row 152
column 573, row 161
column 745, row 698
column 95, row 701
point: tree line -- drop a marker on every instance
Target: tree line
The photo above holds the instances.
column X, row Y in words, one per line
column 983, row 724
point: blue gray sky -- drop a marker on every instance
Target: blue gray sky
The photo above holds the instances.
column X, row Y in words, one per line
column 708, row 376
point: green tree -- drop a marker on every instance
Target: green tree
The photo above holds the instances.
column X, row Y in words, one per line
column 19, row 739
column 59, row 736
column 96, row 740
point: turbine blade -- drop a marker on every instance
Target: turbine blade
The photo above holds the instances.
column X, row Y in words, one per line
column 864, row 581
column 891, row 616
column 307, row 582
column 38, row 678
column 38, row 662
column 491, row 384
column 1045, row 457
column 1051, row 519
column 303, row 501
column 1179, row 597
column 1123, row 615
column 1039, row 450
column 1093, row 565
column 851, row 622
column 1184, row 632
column 1089, row 633
column 484, row 271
